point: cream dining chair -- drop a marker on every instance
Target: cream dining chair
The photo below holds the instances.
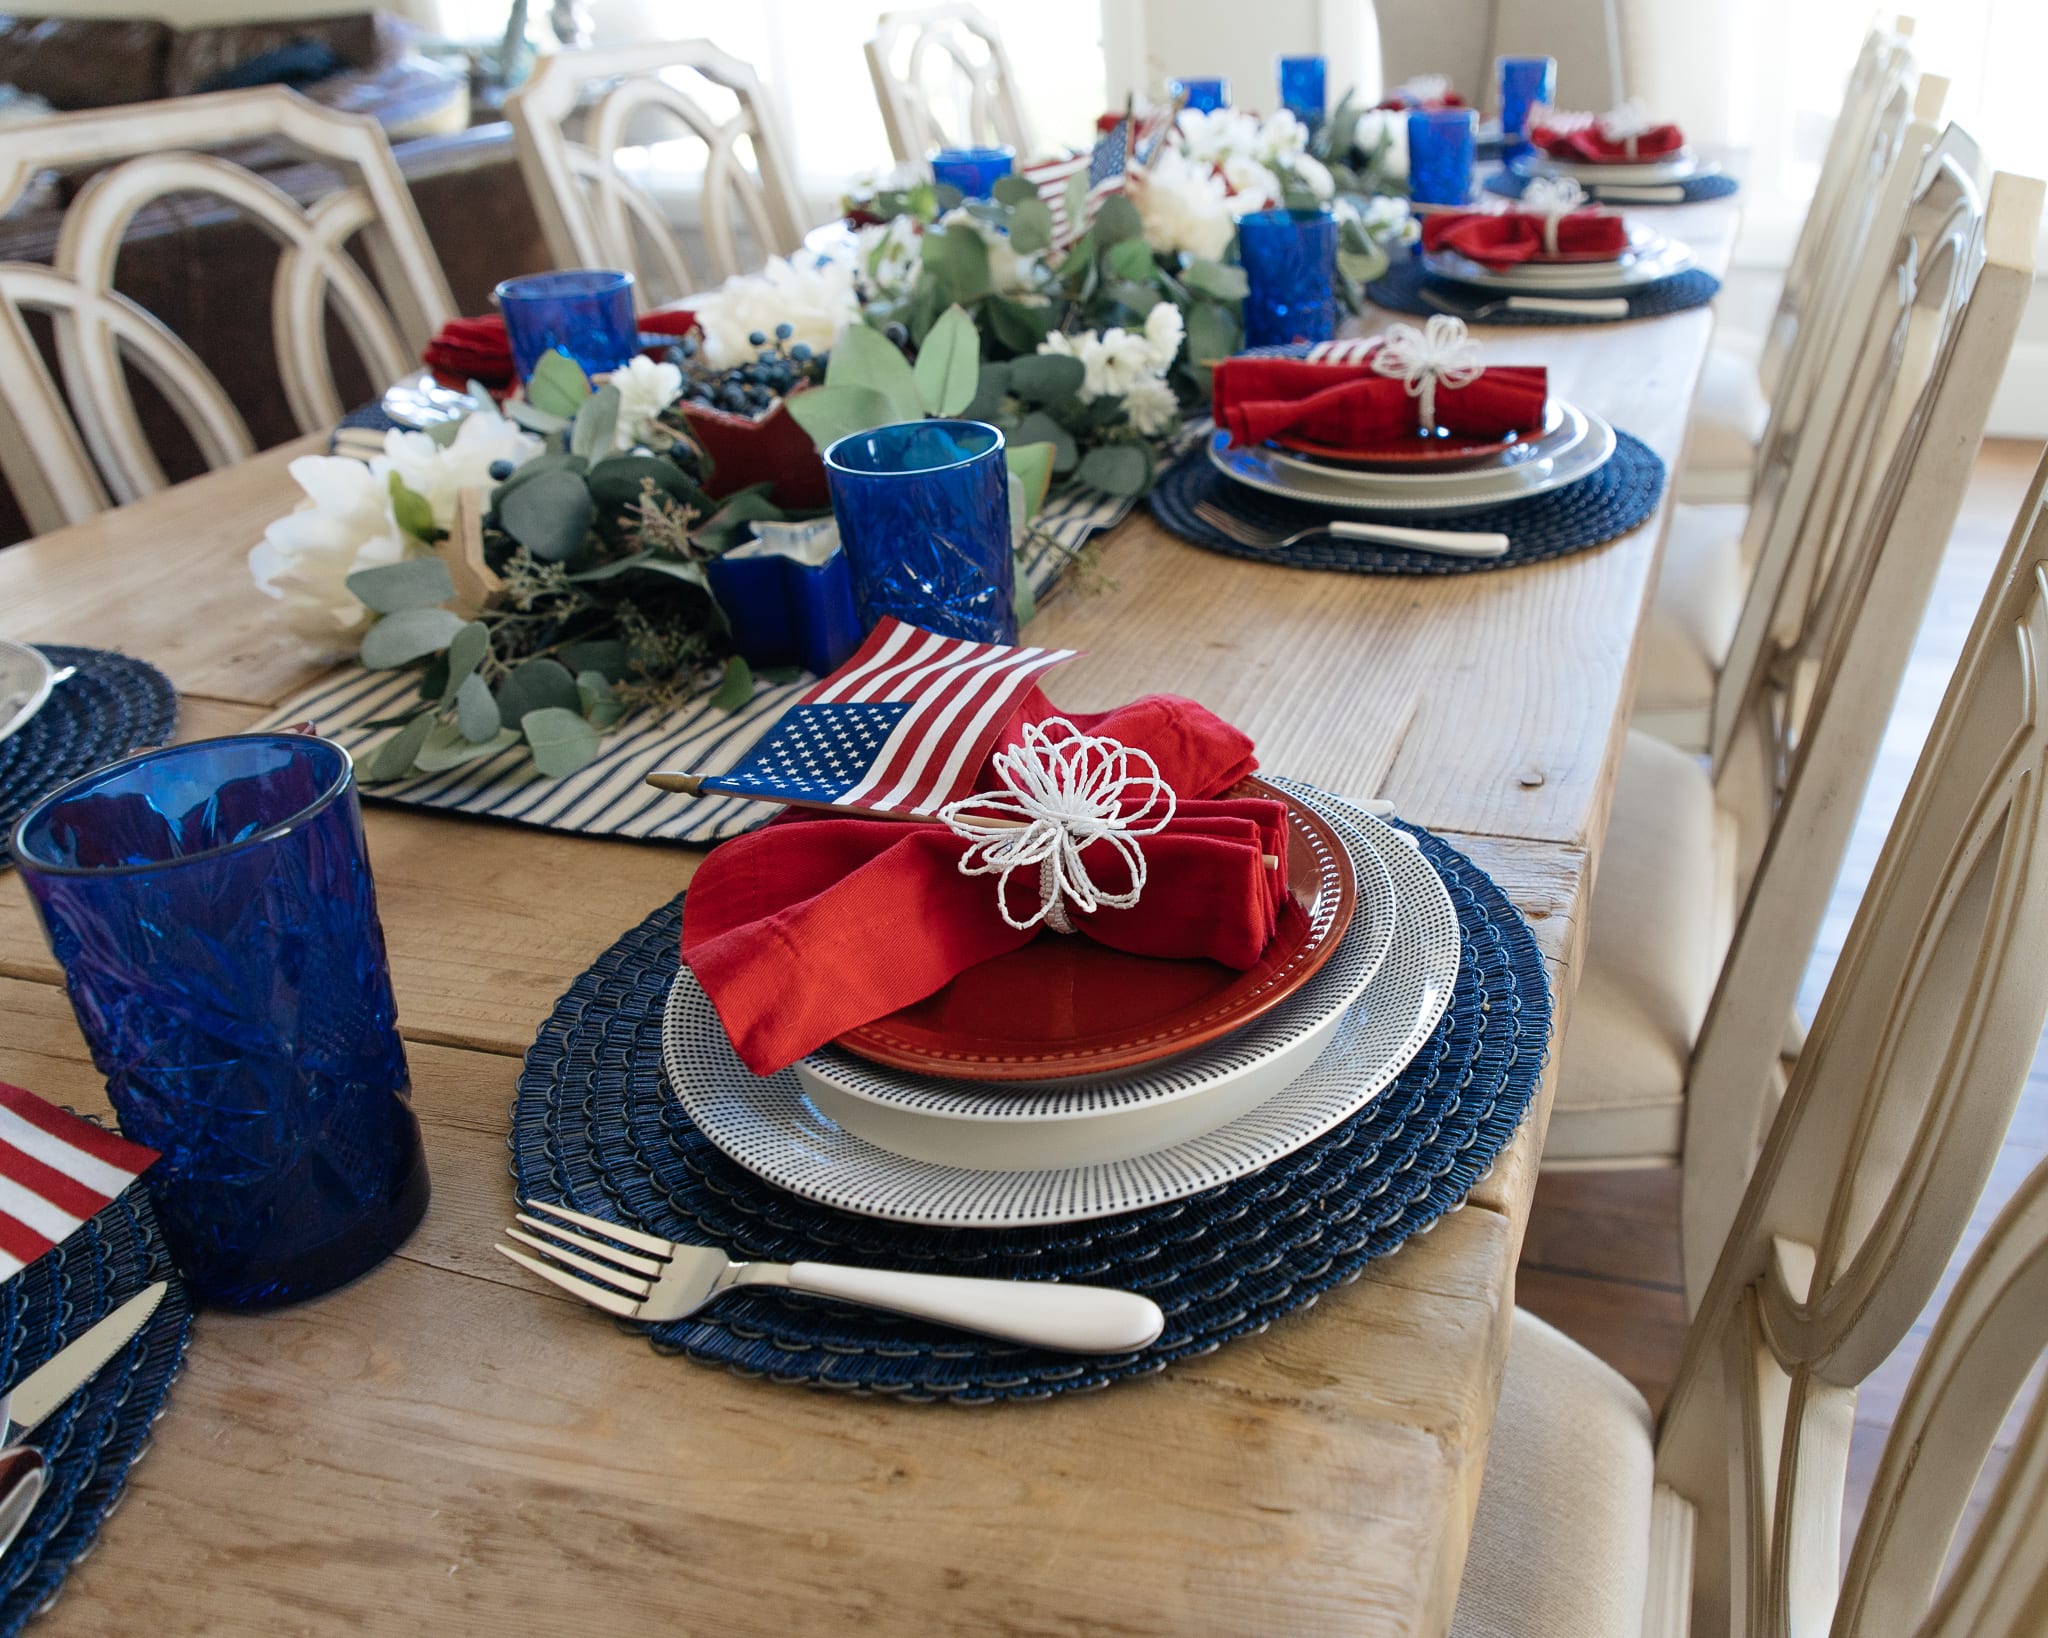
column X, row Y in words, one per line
column 70, row 452
column 943, row 79
column 1712, row 550
column 579, row 109
column 1728, row 1521
column 1671, row 1050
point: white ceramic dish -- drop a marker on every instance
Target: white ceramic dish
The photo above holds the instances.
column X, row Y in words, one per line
column 26, row 679
column 1587, row 279
column 419, row 401
column 1564, row 429
column 768, row 1125
column 1672, row 168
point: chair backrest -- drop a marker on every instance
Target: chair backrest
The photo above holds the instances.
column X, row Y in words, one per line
column 580, row 108
column 1885, row 1137
column 1877, row 106
column 1817, row 693
column 67, row 461
column 943, row 80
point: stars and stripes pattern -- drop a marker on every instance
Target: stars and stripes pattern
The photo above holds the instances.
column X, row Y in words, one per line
column 56, row 1171
column 1134, row 137
column 902, row 727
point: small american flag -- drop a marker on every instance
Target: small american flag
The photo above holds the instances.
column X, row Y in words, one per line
column 902, row 727
column 1106, row 167
column 55, row 1172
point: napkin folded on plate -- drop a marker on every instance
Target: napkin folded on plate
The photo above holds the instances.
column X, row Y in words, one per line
column 1508, row 238
column 471, row 349
column 1350, row 406
column 814, row 925
column 1588, row 145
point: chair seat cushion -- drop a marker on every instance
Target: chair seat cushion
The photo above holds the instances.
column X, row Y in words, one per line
column 1561, row 1545
column 1693, row 617
column 1729, row 410
column 1662, row 913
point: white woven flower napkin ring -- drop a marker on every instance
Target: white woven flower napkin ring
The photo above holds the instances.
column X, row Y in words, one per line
column 1626, row 124
column 1553, row 198
column 1064, row 790
column 1440, row 353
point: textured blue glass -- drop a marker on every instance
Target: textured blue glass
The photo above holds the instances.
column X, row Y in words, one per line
column 212, row 907
column 924, row 518
column 1524, row 82
column 1205, row 95
column 1441, row 148
column 1303, row 89
column 974, row 171
column 1290, row 261
column 586, row 313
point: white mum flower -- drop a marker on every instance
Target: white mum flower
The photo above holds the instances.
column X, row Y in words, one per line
column 1312, row 174
column 1164, row 330
column 1252, row 186
column 305, row 558
column 1281, row 137
column 1152, row 407
column 1185, row 207
column 1088, row 348
column 645, row 390
column 438, row 475
column 1388, row 218
column 815, row 297
column 885, row 255
column 1377, row 126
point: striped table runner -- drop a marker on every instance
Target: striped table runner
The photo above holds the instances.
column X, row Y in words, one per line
column 56, row 1171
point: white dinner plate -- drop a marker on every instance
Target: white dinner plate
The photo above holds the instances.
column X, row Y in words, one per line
column 26, row 679
column 1672, row 168
column 1257, row 469
column 1091, row 1120
column 1593, row 279
column 419, row 401
column 1564, row 427
column 766, row 1124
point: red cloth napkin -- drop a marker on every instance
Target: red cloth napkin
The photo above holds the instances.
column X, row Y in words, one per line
column 471, row 349
column 815, row 925
column 667, row 321
column 1506, row 238
column 1587, row 145
column 1348, row 406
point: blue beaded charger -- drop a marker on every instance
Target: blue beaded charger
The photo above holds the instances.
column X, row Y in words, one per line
column 111, row 707
column 594, row 1126
column 91, row 1443
column 1697, row 189
column 1400, row 289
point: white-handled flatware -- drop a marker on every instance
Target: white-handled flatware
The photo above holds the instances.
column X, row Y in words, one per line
column 1602, row 307
column 1622, row 194
column 1444, row 542
column 637, row 1275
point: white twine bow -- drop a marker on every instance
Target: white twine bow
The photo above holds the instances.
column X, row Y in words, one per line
column 1438, row 354
column 1626, row 124
column 1553, row 198
column 1559, row 120
column 1424, row 89
column 1068, row 789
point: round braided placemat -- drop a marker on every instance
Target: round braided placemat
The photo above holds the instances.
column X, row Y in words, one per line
column 92, row 1442
column 1399, row 289
column 595, row 1127
column 1698, row 189
column 1600, row 506
column 112, row 706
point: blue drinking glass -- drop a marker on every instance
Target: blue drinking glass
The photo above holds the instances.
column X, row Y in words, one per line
column 586, row 313
column 1524, row 82
column 924, row 519
column 974, row 171
column 1204, row 95
column 1304, row 89
column 212, row 908
column 1441, row 148
column 1290, row 262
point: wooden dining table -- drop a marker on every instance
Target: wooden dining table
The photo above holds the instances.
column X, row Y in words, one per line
column 446, row 1446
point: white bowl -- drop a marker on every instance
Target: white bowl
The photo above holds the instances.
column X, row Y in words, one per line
column 26, row 679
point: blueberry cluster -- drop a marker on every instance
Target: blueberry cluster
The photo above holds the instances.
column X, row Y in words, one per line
column 748, row 389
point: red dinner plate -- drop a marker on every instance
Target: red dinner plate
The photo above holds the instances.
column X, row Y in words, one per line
column 1418, row 451
column 1068, row 1006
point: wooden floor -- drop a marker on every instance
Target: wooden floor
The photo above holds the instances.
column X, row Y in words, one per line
column 1601, row 1257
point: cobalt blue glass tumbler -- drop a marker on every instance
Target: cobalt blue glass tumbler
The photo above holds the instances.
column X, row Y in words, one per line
column 1304, row 89
column 974, row 171
column 1203, row 95
column 1441, row 148
column 212, row 908
column 585, row 312
column 1524, row 83
column 1290, row 263
column 924, row 519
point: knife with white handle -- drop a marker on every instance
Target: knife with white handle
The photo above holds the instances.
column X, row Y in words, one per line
column 1627, row 195
column 1448, row 542
column 1592, row 307
column 45, row 1389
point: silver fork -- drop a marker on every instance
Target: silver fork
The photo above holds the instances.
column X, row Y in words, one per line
column 1445, row 542
column 641, row 1276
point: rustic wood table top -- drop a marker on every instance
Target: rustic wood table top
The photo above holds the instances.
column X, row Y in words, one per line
column 445, row 1447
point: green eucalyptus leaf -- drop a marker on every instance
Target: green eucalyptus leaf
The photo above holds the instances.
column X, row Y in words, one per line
column 413, row 513
column 864, row 357
column 410, row 634
column 1047, row 378
column 601, row 707
column 558, row 385
column 1031, row 226
column 445, row 432
column 1131, row 259
column 615, row 481
column 1040, row 428
column 538, row 467
column 605, row 656
column 949, row 364
column 1362, row 266
column 434, row 680
column 590, row 434
column 476, row 710
column 447, row 746
column 958, row 259
column 1023, row 600
column 990, row 388
column 537, row 685
column 648, row 562
column 736, row 687
column 560, row 739
column 549, row 515
column 736, row 514
column 1117, row 469
column 1116, row 221
column 1030, row 473
column 830, row 413
column 465, row 653
column 1013, row 190
column 1212, row 333
column 394, row 758
column 534, row 418
column 1017, row 327
column 417, row 583
column 1218, row 279
column 1135, row 299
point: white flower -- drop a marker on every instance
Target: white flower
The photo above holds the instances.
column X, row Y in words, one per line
column 1214, row 137
column 816, row 298
column 1164, row 329
column 1252, row 185
column 1151, row 405
column 1389, row 220
column 1281, row 137
column 1312, row 174
column 305, row 559
column 1087, row 347
column 1008, row 272
column 1388, row 128
column 1117, row 362
column 1185, row 207
column 645, row 390
column 437, row 474
column 886, row 255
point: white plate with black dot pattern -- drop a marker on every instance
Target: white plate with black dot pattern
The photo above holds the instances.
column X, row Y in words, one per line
column 768, row 1125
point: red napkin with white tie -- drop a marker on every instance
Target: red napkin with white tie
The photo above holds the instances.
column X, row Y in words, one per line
column 56, row 1171
column 814, row 925
column 1353, row 406
column 471, row 349
column 1508, row 238
column 1590, row 144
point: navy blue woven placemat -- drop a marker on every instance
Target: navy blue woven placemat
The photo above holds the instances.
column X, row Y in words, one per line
column 1400, row 288
column 595, row 1126
column 92, row 1442
column 1599, row 507
column 114, row 705
column 1698, row 189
